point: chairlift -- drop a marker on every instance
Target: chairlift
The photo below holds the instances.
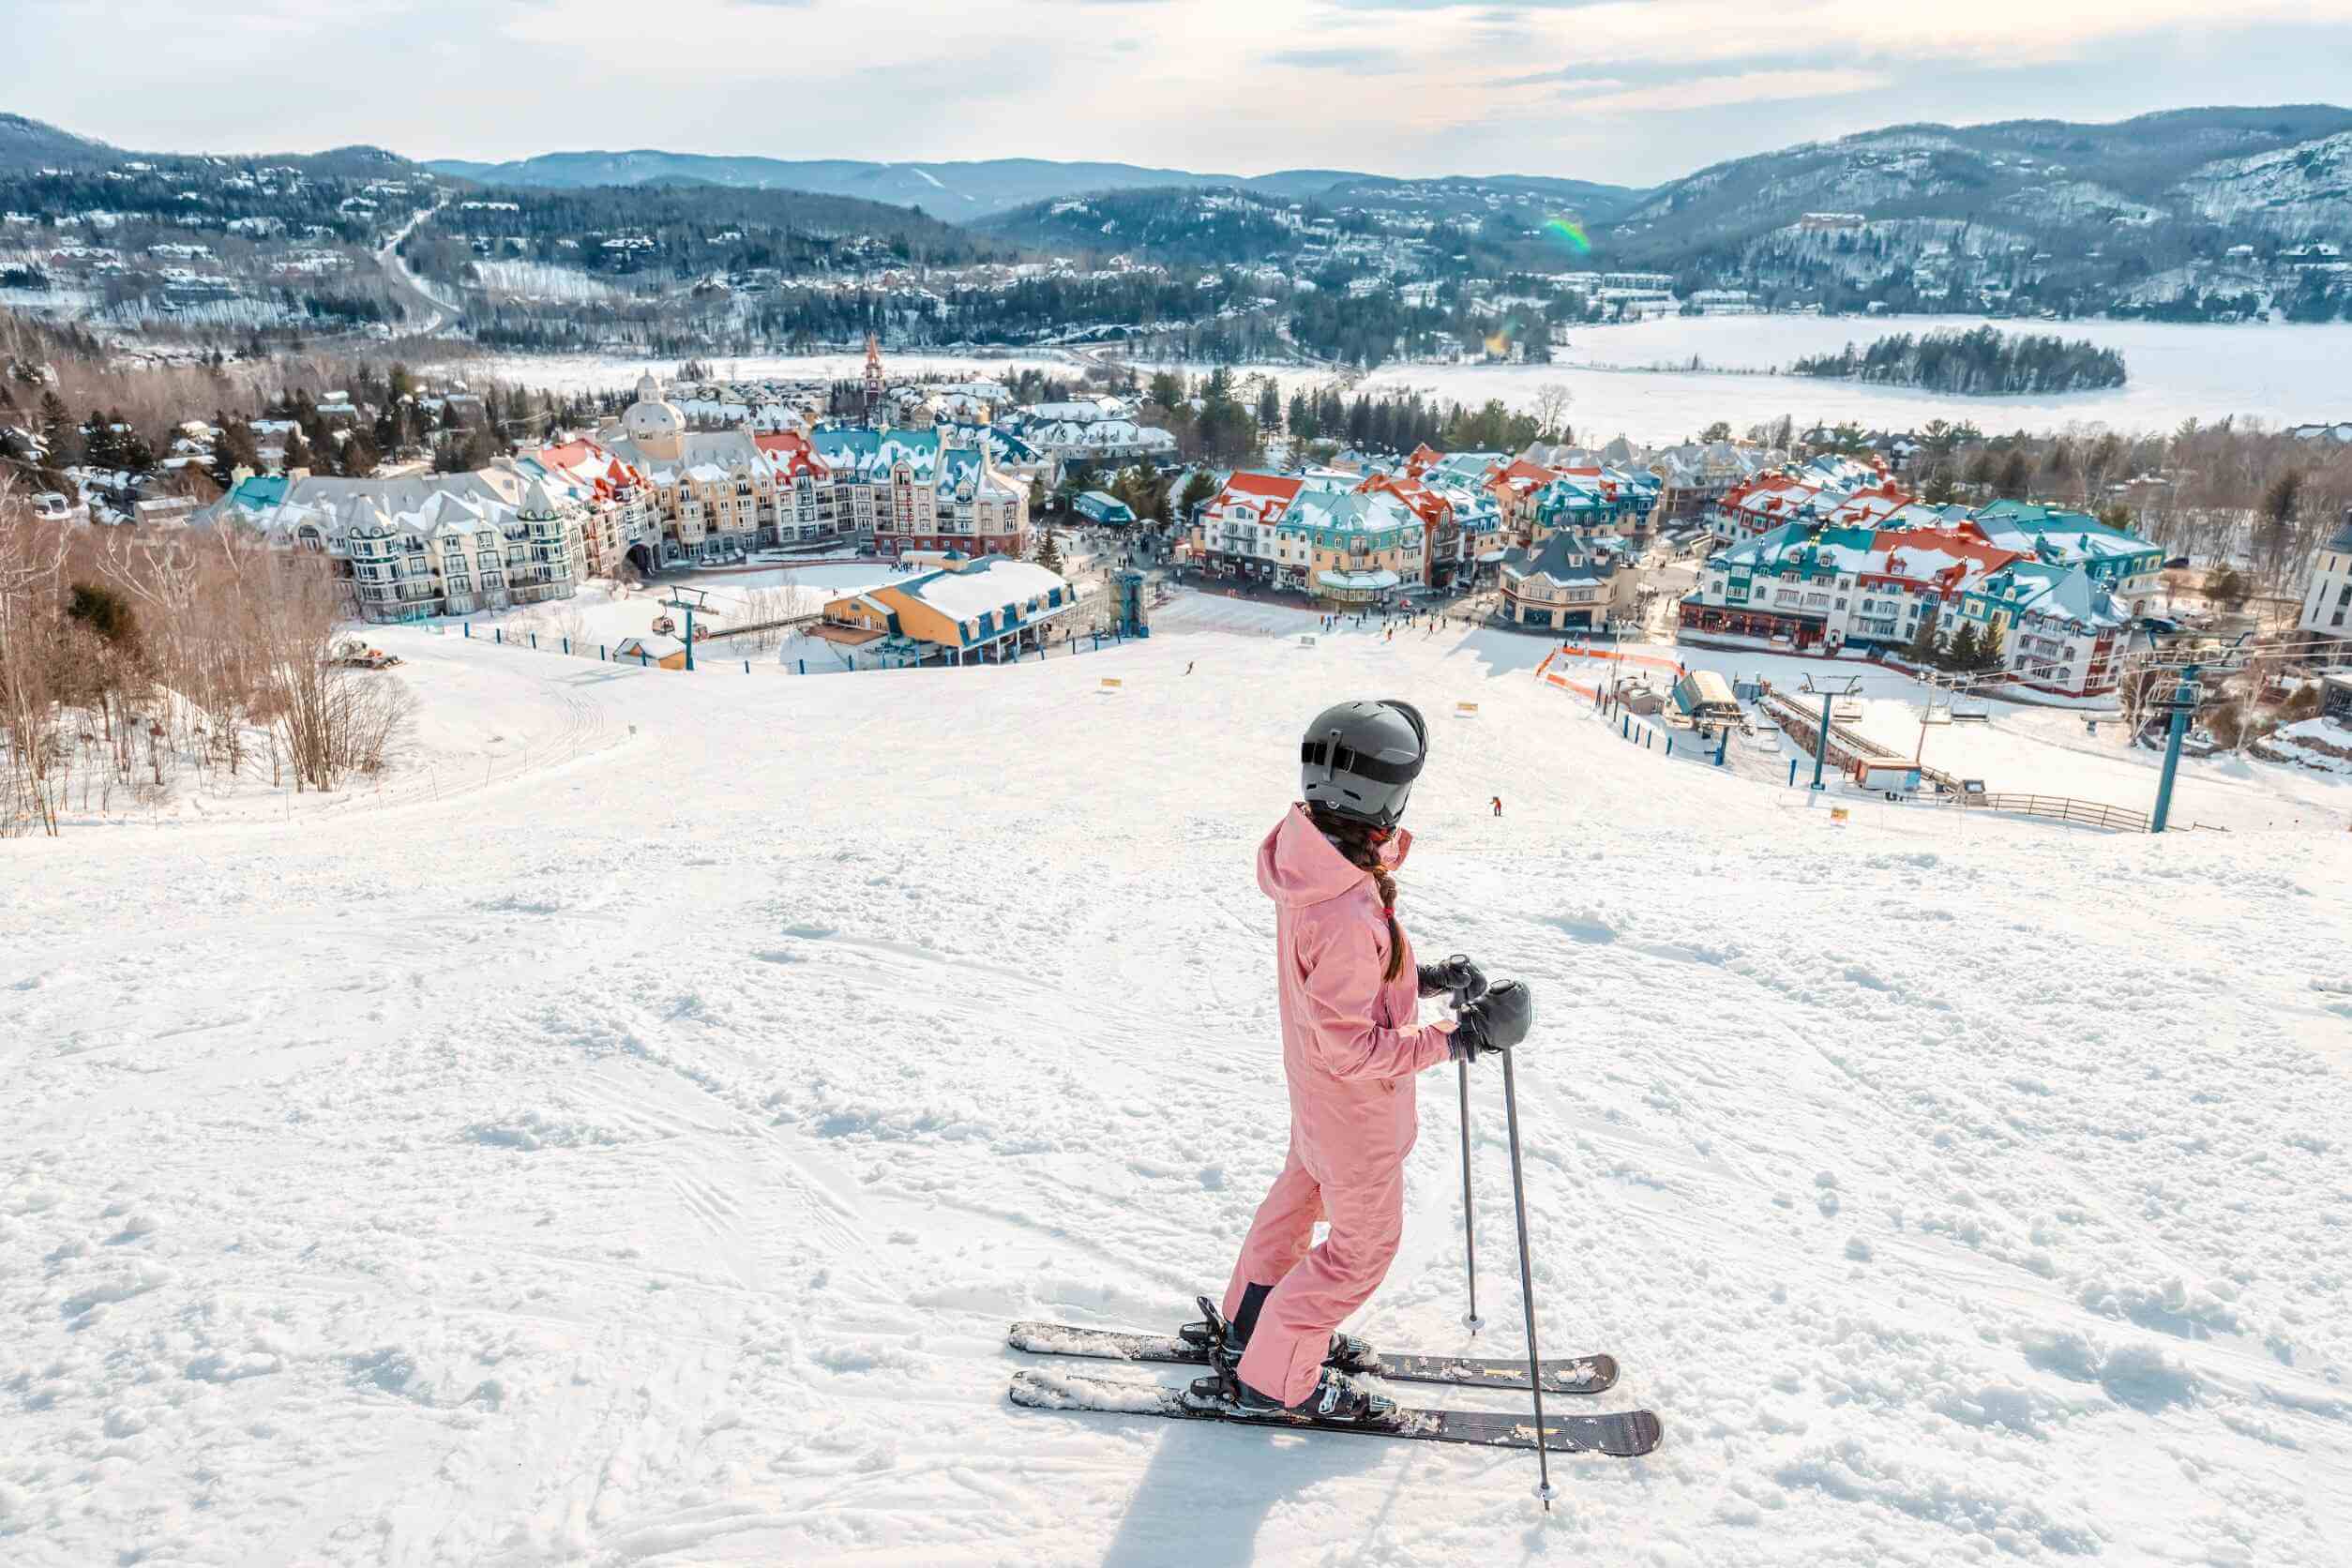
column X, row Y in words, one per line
column 1975, row 710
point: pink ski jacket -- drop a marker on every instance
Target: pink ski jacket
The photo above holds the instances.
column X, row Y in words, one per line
column 1350, row 1043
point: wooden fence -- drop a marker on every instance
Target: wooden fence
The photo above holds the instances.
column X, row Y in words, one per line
column 2084, row 813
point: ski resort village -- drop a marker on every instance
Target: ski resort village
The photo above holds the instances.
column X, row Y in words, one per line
column 695, row 990
column 838, row 860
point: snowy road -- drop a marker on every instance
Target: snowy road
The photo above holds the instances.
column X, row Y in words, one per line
column 637, row 1158
column 439, row 312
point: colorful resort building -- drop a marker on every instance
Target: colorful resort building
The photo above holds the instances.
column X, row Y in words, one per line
column 1353, row 548
column 987, row 609
column 1346, row 539
column 1570, row 582
column 2128, row 567
column 2056, row 624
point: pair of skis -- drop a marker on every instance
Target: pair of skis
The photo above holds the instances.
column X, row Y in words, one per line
column 1624, row 1434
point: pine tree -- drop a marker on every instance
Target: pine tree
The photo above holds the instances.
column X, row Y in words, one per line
column 55, row 422
column 1199, row 487
column 1923, row 645
column 1048, row 550
column 1964, row 649
column 1989, row 655
column 2016, row 475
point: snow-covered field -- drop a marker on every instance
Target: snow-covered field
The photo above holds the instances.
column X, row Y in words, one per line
column 636, row 1157
column 543, row 280
column 602, row 613
column 2283, row 375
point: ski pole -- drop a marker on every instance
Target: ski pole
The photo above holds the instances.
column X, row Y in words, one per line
column 1527, row 1285
column 1469, row 1214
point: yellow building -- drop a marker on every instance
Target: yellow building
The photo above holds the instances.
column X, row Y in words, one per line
column 992, row 609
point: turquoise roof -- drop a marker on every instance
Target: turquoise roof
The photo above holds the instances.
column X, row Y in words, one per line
column 259, row 492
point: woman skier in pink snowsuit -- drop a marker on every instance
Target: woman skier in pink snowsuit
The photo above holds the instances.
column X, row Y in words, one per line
column 1349, row 994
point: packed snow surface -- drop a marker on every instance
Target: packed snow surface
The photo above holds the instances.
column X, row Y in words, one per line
column 636, row 1154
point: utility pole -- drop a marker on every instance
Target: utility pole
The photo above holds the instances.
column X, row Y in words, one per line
column 678, row 601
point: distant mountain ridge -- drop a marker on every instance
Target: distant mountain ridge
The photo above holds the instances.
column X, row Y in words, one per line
column 2158, row 167
column 2192, row 214
column 956, row 190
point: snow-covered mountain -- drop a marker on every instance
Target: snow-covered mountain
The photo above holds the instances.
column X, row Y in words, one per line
column 622, row 1133
column 26, row 142
column 2065, row 173
column 2300, row 192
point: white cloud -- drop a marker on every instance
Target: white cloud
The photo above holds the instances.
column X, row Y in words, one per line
column 1756, row 86
column 1398, row 86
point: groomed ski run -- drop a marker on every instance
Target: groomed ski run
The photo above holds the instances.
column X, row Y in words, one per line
column 637, row 1158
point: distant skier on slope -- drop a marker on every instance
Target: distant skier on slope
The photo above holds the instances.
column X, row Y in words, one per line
column 1349, row 994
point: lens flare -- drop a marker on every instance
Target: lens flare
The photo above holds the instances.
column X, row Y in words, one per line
column 1572, row 231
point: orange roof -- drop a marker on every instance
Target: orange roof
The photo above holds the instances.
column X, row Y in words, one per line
column 1947, row 541
column 1274, row 485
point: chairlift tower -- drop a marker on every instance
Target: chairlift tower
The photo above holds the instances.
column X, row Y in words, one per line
column 678, row 601
column 2182, row 705
column 1821, row 747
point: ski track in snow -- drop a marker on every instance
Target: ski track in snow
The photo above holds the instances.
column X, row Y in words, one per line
column 636, row 1154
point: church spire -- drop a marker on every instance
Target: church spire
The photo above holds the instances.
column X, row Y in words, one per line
column 873, row 381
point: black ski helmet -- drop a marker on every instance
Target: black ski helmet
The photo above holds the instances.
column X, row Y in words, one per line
column 1359, row 758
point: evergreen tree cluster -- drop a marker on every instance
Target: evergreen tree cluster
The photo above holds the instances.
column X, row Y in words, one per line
column 1967, row 652
column 1402, row 420
column 1982, row 362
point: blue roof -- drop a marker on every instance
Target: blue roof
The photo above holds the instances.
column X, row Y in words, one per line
column 259, row 492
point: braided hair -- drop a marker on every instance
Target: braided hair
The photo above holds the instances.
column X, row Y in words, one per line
column 1353, row 841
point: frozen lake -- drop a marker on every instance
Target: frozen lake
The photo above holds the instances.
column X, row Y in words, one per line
column 1621, row 384
column 2280, row 374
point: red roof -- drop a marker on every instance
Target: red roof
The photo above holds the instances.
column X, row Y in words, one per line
column 788, row 453
column 1273, row 486
column 1424, row 503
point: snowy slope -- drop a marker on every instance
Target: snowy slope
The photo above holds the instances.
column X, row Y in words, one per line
column 637, row 1158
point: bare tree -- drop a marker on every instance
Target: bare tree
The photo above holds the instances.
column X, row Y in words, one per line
column 1552, row 399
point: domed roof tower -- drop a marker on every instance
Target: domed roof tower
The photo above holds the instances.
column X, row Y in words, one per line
column 654, row 424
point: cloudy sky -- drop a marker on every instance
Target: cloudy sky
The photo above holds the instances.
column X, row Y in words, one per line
column 1626, row 91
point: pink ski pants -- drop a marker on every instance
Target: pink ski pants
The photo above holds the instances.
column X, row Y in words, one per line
column 1315, row 1287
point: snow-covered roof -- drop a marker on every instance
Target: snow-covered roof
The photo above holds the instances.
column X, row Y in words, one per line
column 989, row 583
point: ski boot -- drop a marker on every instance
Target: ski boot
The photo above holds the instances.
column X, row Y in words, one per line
column 1348, row 1353
column 1336, row 1400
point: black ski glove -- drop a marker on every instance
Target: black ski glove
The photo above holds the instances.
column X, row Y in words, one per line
column 1458, row 973
column 1495, row 1022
